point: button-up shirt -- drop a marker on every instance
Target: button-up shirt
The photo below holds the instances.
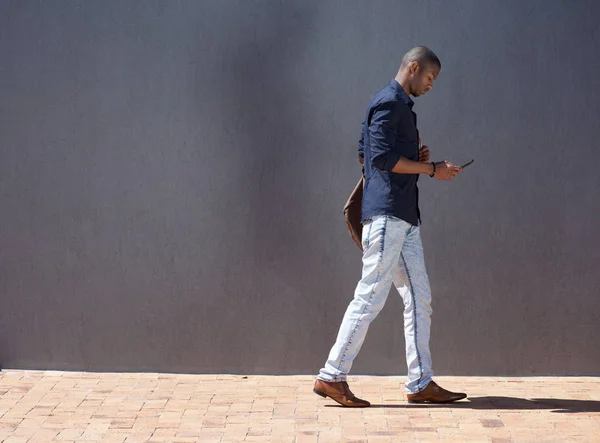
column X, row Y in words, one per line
column 390, row 132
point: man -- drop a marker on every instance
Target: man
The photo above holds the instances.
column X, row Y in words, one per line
column 392, row 250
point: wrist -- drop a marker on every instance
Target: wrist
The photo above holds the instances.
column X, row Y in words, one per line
column 432, row 170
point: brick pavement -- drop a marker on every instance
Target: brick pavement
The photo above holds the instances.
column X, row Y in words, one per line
column 38, row 406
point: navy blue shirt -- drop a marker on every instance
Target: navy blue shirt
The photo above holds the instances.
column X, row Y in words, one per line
column 390, row 132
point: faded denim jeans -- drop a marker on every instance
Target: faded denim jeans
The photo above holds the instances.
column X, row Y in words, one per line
column 392, row 253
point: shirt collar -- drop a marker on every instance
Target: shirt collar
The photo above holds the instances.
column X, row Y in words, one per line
column 402, row 93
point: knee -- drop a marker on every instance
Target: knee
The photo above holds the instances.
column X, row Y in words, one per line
column 423, row 307
column 365, row 308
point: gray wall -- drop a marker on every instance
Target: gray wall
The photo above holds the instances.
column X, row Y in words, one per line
column 172, row 176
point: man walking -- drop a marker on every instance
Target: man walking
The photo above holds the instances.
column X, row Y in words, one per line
column 392, row 250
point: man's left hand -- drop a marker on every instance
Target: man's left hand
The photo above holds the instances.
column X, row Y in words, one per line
column 424, row 154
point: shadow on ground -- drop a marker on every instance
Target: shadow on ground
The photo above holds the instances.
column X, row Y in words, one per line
column 506, row 403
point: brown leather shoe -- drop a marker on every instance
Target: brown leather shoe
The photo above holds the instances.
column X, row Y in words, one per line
column 339, row 392
column 434, row 394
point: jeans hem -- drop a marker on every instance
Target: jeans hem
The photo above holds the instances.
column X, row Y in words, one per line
column 422, row 384
column 331, row 379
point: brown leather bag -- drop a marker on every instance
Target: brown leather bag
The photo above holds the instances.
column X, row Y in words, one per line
column 353, row 212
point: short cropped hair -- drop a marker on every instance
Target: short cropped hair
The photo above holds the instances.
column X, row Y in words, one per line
column 423, row 55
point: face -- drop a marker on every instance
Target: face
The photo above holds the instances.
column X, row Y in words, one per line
column 422, row 78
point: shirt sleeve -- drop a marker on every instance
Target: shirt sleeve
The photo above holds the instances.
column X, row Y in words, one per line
column 382, row 135
column 361, row 142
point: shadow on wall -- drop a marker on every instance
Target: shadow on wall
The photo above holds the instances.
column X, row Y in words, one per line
column 272, row 149
column 263, row 122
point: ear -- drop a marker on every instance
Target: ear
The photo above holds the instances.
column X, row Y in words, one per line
column 413, row 67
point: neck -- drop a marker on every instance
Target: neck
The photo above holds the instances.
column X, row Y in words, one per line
column 403, row 81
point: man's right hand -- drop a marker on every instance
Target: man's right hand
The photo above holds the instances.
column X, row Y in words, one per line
column 446, row 170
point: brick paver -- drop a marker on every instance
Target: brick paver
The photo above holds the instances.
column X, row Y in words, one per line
column 49, row 406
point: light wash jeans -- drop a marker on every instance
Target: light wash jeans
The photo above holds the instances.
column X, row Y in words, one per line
column 392, row 253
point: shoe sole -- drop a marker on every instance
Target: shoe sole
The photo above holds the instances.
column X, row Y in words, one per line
column 419, row 402
column 423, row 402
column 322, row 394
